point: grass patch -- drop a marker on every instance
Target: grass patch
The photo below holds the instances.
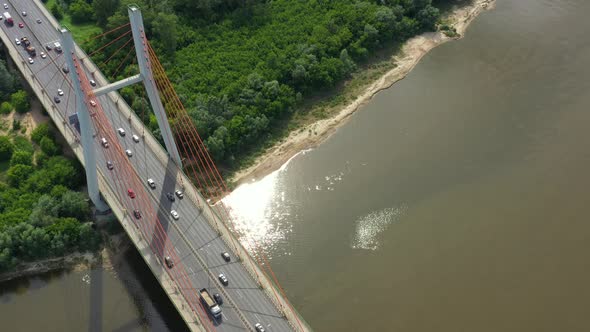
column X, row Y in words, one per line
column 80, row 32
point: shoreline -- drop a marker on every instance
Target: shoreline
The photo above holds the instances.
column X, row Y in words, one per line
column 411, row 53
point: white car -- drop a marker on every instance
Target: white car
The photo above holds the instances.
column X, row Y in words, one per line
column 128, row 153
column 5, row 6
column 174, row 214
column 43, row 55
column 259, row 327
column 121, row 132
column 92, row 103
column 24, row 13
column 17, row 41
column 151, row 183
column 31, row 61
column 135, row 138
column 60, row 92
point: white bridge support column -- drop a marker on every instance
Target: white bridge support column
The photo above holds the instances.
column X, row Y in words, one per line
column 145, row 71
column 86, row 129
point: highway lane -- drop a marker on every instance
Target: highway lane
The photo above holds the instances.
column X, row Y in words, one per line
column 242, row 288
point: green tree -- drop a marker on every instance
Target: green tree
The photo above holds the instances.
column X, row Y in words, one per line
column 45, row 211
column 6, row 81
column 48, row 146
column 20, row 101
column 56, row 11
column 18, row 173
column 103, row 9
column 5, row 108
column 20, row 157
column 6, row 148
column 75, row 205
column 42, row 130
column 80, row 11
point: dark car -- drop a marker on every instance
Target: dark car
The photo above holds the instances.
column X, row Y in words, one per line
column 179, row 194
column 169, row 262
column 92, row 82
column 218, row 298
column 225, row 256
column 56, row 99
column 136, row 214
column 66, row 69
column 223, row 279
column 110, row 165
column 48, row 47
column 170, row 197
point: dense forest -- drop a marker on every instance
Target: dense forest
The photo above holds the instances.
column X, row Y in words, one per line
column 42, row 213
column 242, row 67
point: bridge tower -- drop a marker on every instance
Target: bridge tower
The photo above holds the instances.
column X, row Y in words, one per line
column 145, row 76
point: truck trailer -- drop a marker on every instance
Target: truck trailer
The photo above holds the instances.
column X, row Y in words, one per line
column 208, row 301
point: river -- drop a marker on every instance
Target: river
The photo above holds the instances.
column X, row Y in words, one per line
column 455, row 201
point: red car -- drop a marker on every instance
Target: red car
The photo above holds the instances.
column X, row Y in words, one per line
column 21, row 25
column 130, row 193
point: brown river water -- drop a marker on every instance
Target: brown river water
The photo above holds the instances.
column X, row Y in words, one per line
column 455, row 201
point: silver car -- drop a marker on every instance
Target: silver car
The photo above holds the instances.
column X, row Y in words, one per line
column 129, row 153
column 174, row 214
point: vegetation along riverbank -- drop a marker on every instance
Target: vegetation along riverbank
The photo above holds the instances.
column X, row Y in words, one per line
column 250, row 72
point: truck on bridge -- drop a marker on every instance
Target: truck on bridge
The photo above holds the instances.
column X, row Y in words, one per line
column 8, row 19
column 211, row 305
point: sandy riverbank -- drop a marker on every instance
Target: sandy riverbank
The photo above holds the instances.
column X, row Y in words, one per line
column 312, row 135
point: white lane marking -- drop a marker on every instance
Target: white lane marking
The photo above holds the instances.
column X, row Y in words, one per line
column 176, row 249
column 239, row 293
column 258, row 318
column 191, row 269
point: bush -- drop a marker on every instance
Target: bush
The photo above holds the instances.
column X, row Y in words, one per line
column 5, row 108
column 42, row 130
column 6, row 148
column 17, row 174
column 20, row 101
column 15, row 125
column 20, row 157
column 48, row 146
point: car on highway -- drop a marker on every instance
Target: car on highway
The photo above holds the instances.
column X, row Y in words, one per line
column 179, row 194
column 31, row 61
column 129, row 153
column 225, row 256
column 131, row 193
column 24, row 13
column 223, row 279
column 60, row 92
column 135, row 138
column 104, row 142
column 43, row 55
column 259, row 327
column 92, row 82
column 38, row 21
column 169, row 262
column 66, row 69
column 170, row 197
column 218, row 298
column 48, row 47
column 21, row 25
column 17, row 41
column 5, row 6
column 92, row 103
column 151, row 183
column 121, row 132
column 174, row 214
column 56, row 99
column 136, row 214
column 110, row 165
